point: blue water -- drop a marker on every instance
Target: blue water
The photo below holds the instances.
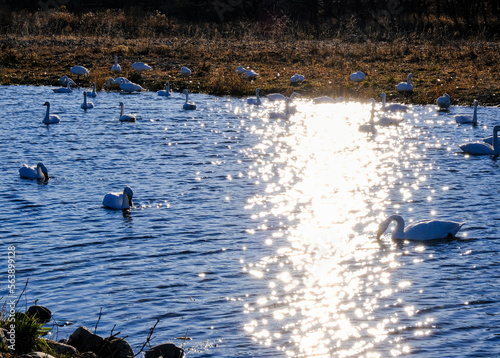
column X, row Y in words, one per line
column 254, row 237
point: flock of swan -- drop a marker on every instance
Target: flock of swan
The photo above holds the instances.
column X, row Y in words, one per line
column 420, row 230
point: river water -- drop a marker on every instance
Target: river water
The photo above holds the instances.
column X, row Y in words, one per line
column 254, row 237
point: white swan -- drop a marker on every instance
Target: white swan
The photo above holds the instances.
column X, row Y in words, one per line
column 388, row 121
column 185, row 72
column 116, row 67
column 420, row 230
column 92, row 93
column 66, row 89
column 393, row 107
column 370, row 127
column 250, row 74
column 481, row 148
column 405, row 86
column 166, row 91
column 65, row 79
column 128, row 86
column 241, row 70
column 119, row 201
column 324, row 99
column 79, row 71
column 468, row 119
column 50, row 118
column 188, row 105
column 286, row 114
column 125, row 117
column 86, row 104
column 141, row 66
column 255, row 101
column 280, row 97
column 443, row 102
column 36, row 172
column 116, row 81
column 358, row 77
column 297, row 78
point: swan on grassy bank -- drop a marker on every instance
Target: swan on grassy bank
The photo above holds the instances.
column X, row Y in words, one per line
column 420, row 230
column 443, row 102
column 280, row 97
column 141, row 66
column 255, row 101
column 119, row 201
column 185, row 72
column 50, row 118
column 468, row 119
column 250, row 75
column 188, row 105
column 127, row 86
column 65, row 79
column 405, row 86
column 126, row 117
column 297, row 78
column 357, row 77
column 86, row 104
column 393, row 107
column 483, row 148
column 166, row 91
column 116, row 67
column 79, row 71
column 241, row 70
column 38, row 172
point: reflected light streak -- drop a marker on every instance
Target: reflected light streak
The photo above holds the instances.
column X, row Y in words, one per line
column 330, row 283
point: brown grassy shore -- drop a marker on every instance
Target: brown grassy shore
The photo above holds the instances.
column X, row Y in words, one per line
column 466, row 69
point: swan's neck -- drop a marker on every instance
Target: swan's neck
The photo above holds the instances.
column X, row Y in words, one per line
column 126, row 201
column 48, row 112
column 408, row 80
column 121, row 110
column 400, row 226
column 383, row 100
column 187, row 97
column 85, row 98
column 474, row 117
column 257, row 95
column 496, row 146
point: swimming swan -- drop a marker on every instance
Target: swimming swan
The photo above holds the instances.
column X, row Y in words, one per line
column 50, row 118
column 127, row 86
column 116, row 67
column 420, row 230
column 324, row 99
column 36, row 172
column 468, row 119
column 166, row 91
column 141, row 66
column 280, row 97
column 358, row 77
column 92, row 93
column 126, row 117
column 443, row 102
column 286, row 114
column 66, row 89
column 119, row 201
column 188, row 105
column 393, row 107
column 370, row 127
column 85, row 104
column 65, row 79
column 482, row 148
column 255, row 101
column 405, row 86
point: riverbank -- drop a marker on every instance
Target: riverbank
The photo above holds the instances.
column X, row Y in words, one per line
column 465, row 69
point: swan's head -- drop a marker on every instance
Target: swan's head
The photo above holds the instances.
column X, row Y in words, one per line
column 496, row 129
column 382, row 228
column 46, row 104
column 44, row 170
column 120, row 104
column 294, row 94
column 127, row 191
column 409, row 76
column 476, row 102
column 185, row 92
column 446, row 95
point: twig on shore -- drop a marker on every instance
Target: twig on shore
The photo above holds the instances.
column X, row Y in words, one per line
column 148, row 339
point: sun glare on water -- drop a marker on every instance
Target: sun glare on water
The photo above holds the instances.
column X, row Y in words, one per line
column 329, row 284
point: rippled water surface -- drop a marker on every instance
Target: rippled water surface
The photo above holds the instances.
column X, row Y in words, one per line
column 253, row 236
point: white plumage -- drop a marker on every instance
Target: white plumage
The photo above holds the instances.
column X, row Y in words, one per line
column 358, row 77
column 405, row 86
column 119, row 201
column 126, row 117
column 116, row 67
column 188, row 105
column 420, row 230
column 39, row 172
column 86, row 104
column 141, row 66
column 483, row 148
column 255, row 101
column 185, row 72
column 166, row 91
column 50, row 118
column 443, row 102
column 468, row 119
column 79, row 70
column 393, row 107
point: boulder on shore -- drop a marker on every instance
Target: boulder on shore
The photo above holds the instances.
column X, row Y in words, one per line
column 165, row 350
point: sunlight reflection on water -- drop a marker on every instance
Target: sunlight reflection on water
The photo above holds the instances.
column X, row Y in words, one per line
column 328, row 282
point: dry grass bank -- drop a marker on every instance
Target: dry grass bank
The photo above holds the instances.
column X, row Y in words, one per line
column 465, row 69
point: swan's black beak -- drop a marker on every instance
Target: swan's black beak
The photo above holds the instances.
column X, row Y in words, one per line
column 130, row 203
